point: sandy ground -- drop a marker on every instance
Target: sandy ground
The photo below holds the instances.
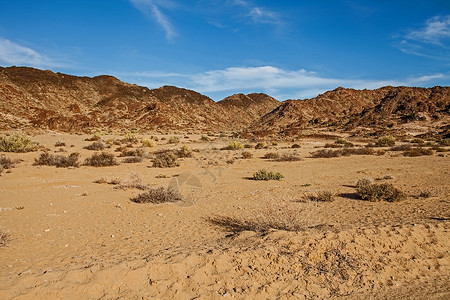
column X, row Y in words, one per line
column 71, row 238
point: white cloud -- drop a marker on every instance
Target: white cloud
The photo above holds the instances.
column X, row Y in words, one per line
column 279, row 83
column 430, row 41
column 14, row 54
column 435, row 31
column 258, row 14
column 152, row 9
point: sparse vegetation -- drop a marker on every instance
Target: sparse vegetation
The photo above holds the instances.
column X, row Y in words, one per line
column 4, row 237
column 404, row 147
column 17, row 143
column 132, row 152
column 265, row 175
column 327, row 153
column 103, row 159
column 288, row 157
column 130, row 138
column 132, row 159
column 204, row 138
column 373, row 192
column 261, row 145
column 60, row 144
column 58, row 161
column 165, row 160
column 5, row 163
column 158, row 195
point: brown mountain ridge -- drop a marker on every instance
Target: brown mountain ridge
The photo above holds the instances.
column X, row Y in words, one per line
column 44, row 99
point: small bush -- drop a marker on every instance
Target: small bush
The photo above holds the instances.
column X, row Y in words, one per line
column 247, row 155
column 417, row 141
column 234, row 145
column 165, row 160
column 17, row 143
column 60, row 144
column 147, row 143
column 130, row 138
column 385, row 141
column 320, row 196
column 183, row 152
column 58, row 161
column 359, row 151
column 173, row 140
column 248, row 146
column 444, row 142
column 103, row 159
column 6, row 163
column 264, row 175
column 271, row 155
column 418, row 152
column 377, row 192
column 158, row 195
column 132, row 152
column 294, row 146
column 97, row 146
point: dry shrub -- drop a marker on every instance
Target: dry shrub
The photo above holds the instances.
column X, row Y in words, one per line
column 204, row 138
column 165, row 160
column 333, row 145
column 295, row 146
column 385, row 141
column 6, row 163
column 247, row 155
column 426, row 193
column 103, row 159
column 325, row 153
column 444, row 142
column 93, row 138
column 58, row 161
column 148, row 143
column 158, row 195
column 132, row 160
column 271, row 155
column 130, row 138
column 280, row 217
column 373, row 192
column 265, row 175
column 60, row 144
column 97, row 146
column 183, row 152
column 4, row 237
column 173, row 140
column 17, row 143
column 261, row 145
column 288, row 157
column 233, row 145
column 404, row 147
column 359, row 151
column 135, row 182
column 132, row 152
column 418, row 152
column 319, row 196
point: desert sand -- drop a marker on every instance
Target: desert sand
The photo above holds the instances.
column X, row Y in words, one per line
column 70, row 237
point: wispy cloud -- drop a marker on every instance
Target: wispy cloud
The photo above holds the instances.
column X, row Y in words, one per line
column 277, row 82
column 152, row 8
column 258, row 14
column 14, row 54
column 431, row 41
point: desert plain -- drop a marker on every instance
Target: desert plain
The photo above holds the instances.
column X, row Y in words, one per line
column 74, row 233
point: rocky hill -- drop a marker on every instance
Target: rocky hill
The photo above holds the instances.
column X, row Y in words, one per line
column 43, row 99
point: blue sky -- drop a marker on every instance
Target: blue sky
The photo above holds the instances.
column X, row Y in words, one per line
column 289, row 49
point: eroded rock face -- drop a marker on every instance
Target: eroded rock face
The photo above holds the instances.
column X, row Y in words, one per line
column 44, row 99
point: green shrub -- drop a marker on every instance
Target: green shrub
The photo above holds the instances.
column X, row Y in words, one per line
column 158, row 195
column 377, row 192
column 17, row 143
column 165, row 160
column 264, row 175
column 103, row 159
column 130, row 138
column 234, row 145
column 58, row 161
